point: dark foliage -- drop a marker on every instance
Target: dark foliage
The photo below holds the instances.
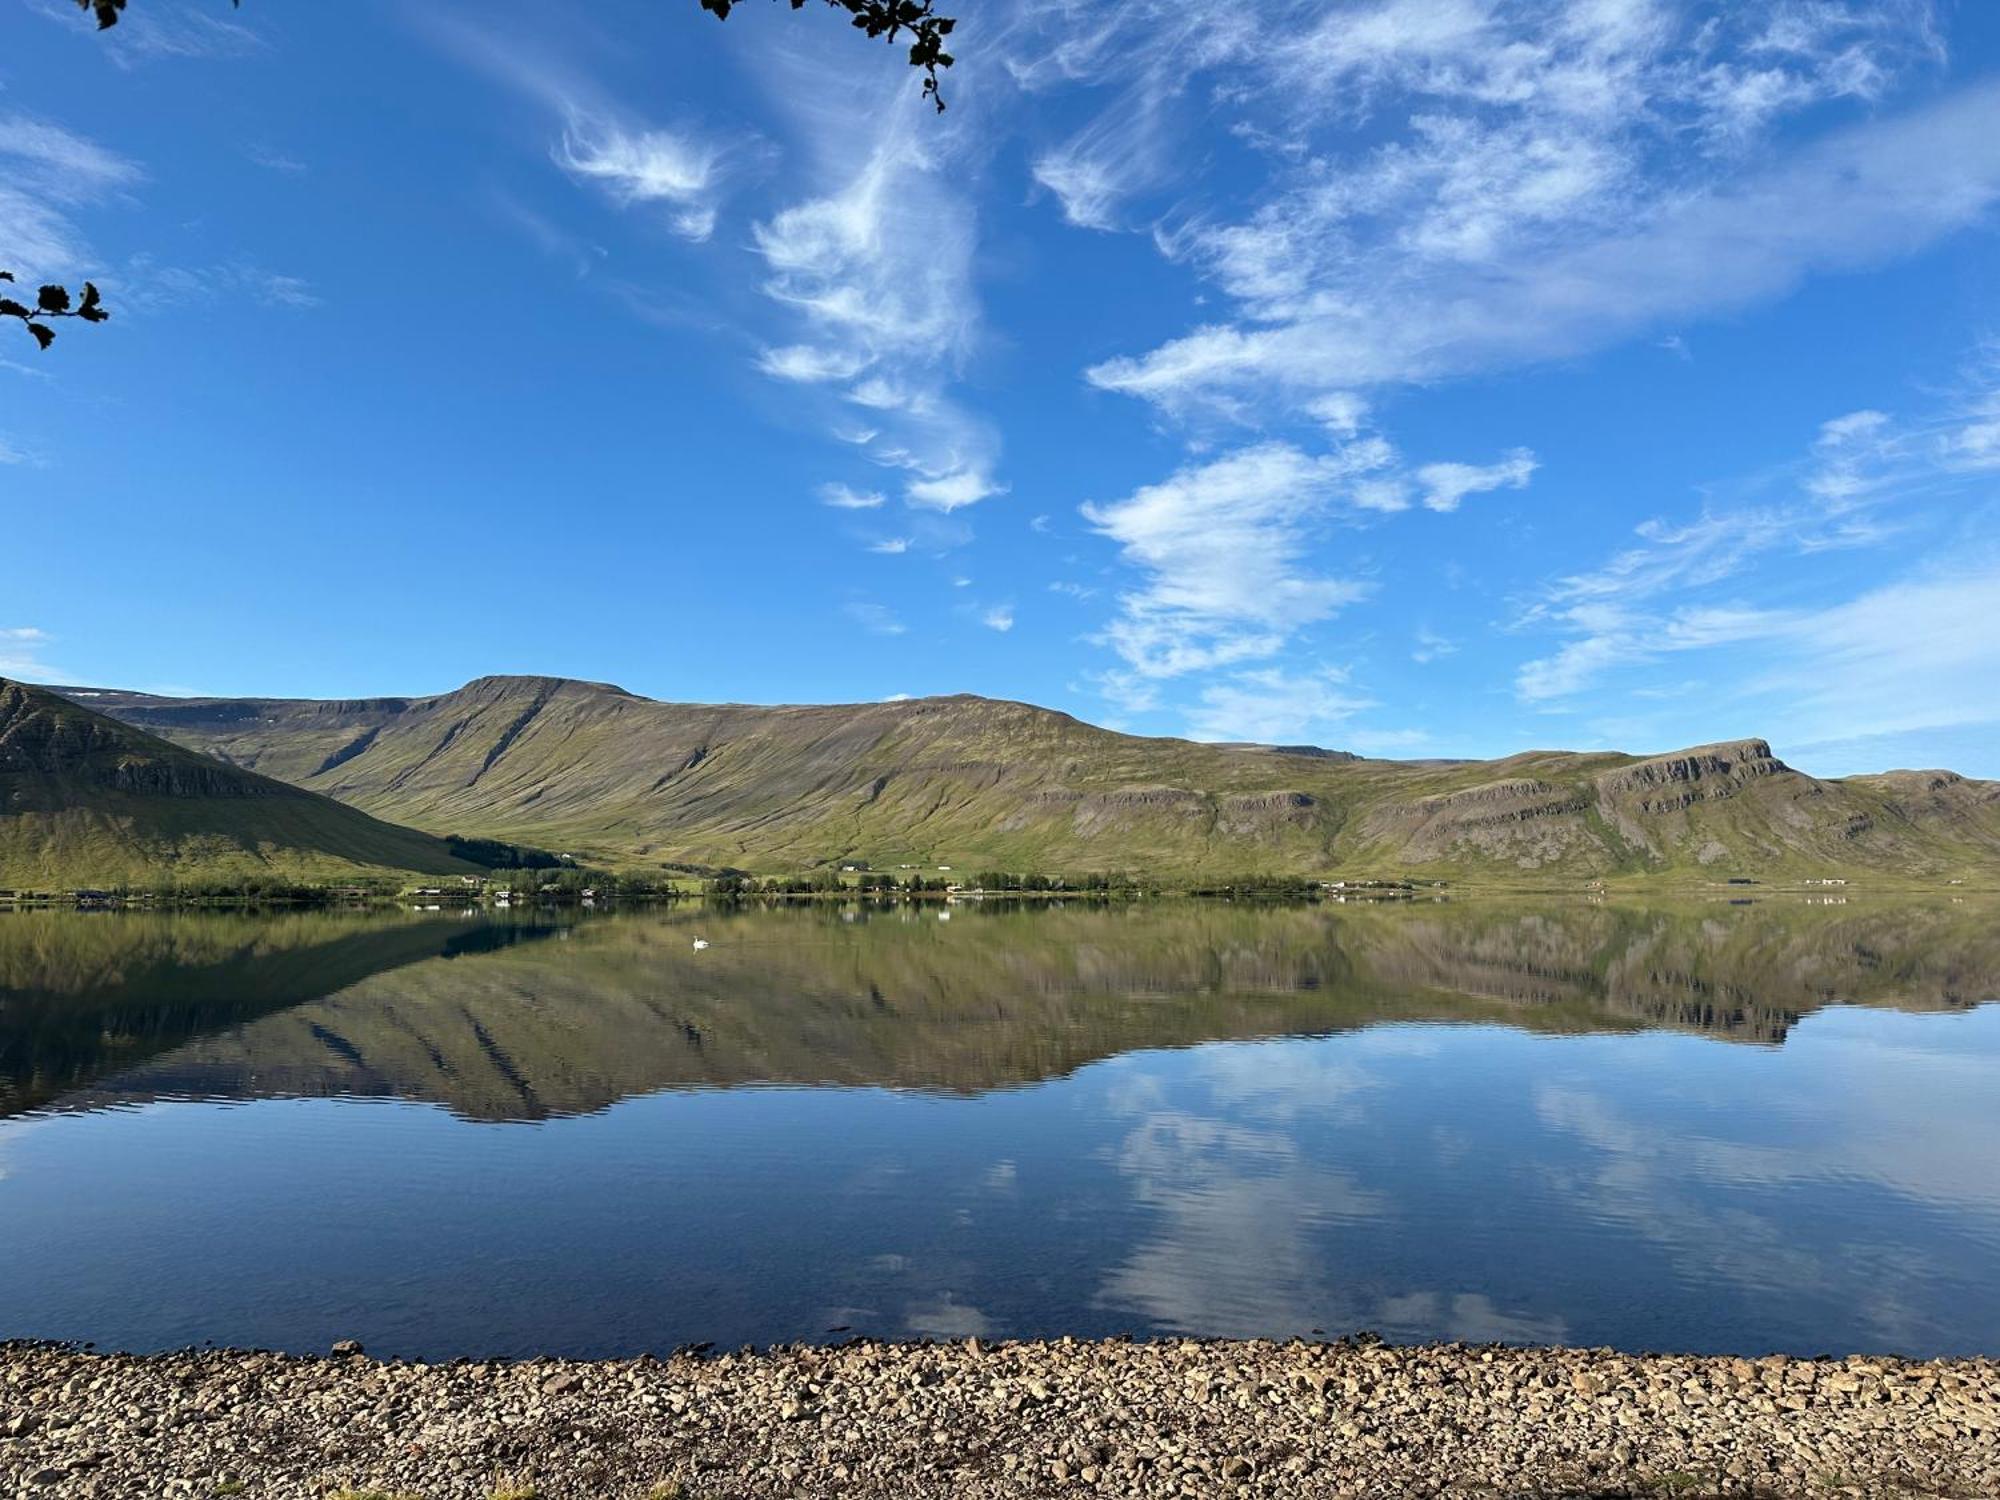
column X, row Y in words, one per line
column 887, row 19
column 891, row 20
column 493, row 854
column 1285, row 887
column 51, row 302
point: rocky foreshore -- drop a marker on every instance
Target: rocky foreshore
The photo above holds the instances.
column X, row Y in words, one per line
column 1069, row 1417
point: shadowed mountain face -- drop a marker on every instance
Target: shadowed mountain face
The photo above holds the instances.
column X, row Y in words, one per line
column 596, row 771
column 88, row 799
column 501, row 1021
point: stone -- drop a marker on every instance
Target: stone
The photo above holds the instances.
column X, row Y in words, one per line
column 1111, row 1419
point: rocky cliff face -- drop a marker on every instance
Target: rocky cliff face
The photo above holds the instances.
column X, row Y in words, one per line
column 1668, row 783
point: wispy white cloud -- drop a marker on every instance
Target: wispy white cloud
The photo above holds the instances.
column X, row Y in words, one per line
column 1863, row 473
column 1272, row 704
column 21, row 648
column 46, row 174
column 1968, row 441
column 1617, row 636
column 1000, row 617
column 1386, row 742
column 894, row 546
column 867, row 259
column 554, row 239
column 158, row 33
column 804, row 364
column 1902, row 655
column 874, row 265
column 1087, row 190
column 640, row 167
column 952, row 490
column 274, row 160
column 1225, row 546
column 876, row 619
column 842, row 497
column 1446, row 484
column 1222, row 547
column 1866, row 195
column 1914, row 654
column 1436, row 188
column 678, row 173
column 1430, row 646
column 145, row 284
column 1540, row 180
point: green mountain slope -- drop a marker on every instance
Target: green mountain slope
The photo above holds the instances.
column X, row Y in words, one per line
column 88, row 801
column 593, row 770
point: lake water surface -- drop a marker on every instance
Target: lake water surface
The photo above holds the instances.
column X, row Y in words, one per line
column 1708, row 1127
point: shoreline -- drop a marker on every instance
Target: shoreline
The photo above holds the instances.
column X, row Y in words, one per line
column 1637, row 892
column 1172, row 1417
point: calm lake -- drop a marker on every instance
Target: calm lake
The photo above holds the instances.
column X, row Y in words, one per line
column 1707, row 1127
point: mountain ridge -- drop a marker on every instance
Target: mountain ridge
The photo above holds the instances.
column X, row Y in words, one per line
column 85, row 798
column 617, row 778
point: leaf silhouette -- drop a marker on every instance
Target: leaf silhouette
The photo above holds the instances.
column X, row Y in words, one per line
column 53, row 301
column 878, row 18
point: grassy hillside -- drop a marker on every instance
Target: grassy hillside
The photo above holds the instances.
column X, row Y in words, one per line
column 595, row 771
column 88, row 801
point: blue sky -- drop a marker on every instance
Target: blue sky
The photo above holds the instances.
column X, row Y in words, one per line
column 1426, row 377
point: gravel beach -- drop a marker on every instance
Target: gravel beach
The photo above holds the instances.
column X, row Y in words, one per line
column 1194, row 1418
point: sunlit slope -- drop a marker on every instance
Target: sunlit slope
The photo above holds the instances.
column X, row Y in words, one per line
column 88, row 801
column 596, row 771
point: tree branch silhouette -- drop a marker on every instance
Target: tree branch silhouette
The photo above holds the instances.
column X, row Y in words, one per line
column 890, row 20
column 52, row 302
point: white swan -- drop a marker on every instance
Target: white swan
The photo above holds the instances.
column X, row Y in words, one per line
column 700, row 943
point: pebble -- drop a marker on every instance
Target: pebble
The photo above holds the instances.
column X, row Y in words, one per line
column 979, row 1420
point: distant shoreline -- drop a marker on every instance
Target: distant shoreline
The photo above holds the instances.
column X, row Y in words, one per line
column 868, row 1419
column 1304, row 892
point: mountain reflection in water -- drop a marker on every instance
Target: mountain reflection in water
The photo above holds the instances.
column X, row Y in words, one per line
column 1164, row 1117
column 525, row 1019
